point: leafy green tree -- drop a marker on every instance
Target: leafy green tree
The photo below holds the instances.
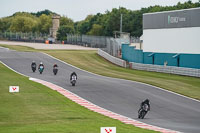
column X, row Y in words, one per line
column 89, row 17
column 96, row 30
column 63, row 31
column 45, row 22
column 23, row 24
column 5, row 24
column 113, row 22
column 84, row 26
column 64, row 20
column 46, row 12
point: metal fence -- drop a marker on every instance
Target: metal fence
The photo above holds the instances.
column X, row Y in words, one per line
column 166, row 69
column 25, row 37
column 112, row 47
column 108, row 44
column 86, row 40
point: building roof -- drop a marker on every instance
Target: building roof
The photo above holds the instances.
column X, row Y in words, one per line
column 198, row 8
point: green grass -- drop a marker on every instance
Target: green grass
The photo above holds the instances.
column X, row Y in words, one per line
column 38, row 109
column 90, row 61
column 18, row 47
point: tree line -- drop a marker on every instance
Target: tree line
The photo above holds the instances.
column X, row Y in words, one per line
column 100, row 24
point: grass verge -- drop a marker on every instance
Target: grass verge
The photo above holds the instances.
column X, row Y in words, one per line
column 37, row 108
column 18, row 47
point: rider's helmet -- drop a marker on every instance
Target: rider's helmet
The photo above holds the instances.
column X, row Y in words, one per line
column 147, row 100
column 55, row 65
column 41, row 63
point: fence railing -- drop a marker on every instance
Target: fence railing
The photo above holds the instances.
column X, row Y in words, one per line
column 87, row 40
column 25, row 37
column 108, row 44
column 166, row 69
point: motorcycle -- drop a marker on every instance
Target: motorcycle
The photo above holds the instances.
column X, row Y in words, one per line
column 33, row 68
column 41, row 69
column 143, row 111
column 55, row 70
column 73, row 80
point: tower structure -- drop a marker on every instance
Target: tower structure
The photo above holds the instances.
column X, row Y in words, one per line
column 55, row 26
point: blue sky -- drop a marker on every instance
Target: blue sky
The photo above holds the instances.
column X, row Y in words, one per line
column 77, row 9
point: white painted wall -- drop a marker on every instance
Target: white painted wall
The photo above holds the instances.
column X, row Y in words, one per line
column 174, row 40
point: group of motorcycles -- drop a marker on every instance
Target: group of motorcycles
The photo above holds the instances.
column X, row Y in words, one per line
column 144, row 107
column 73, row 76
column 40, row 68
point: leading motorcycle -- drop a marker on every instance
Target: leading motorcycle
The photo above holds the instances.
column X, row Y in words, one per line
column 143, row 111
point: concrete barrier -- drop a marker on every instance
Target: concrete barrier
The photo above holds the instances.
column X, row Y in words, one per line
column 112, row 59
column 166, row 69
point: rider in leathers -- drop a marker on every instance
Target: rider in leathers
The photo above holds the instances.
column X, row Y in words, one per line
column 145, row 102
column 41, row 64
column 33, row 64
column 72, row 75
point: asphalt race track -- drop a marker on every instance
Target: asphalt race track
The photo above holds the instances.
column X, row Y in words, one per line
column 168, row 110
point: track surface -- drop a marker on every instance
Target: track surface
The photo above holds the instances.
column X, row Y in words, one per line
column 168, row 110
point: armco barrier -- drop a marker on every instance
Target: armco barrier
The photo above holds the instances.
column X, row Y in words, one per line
column 112, row 59
column 166, row 69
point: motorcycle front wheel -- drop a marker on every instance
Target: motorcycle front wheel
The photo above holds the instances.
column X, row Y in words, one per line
column 143, row 113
